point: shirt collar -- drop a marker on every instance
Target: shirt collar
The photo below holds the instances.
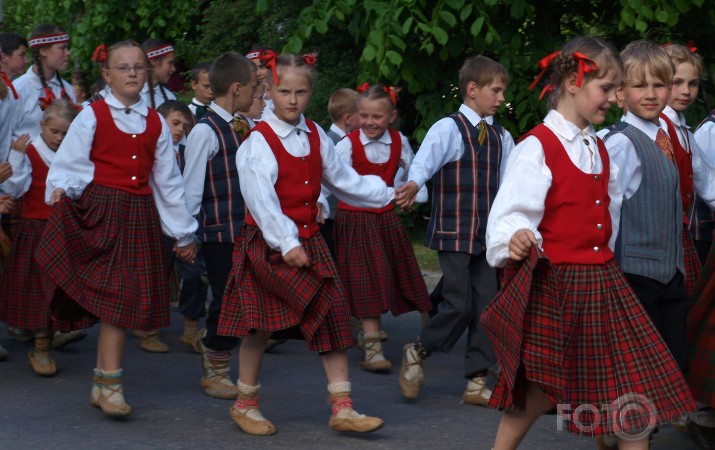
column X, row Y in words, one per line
column 337, row 130
column 567, row 129
column 649, row 128
column 139, row 107
column 222, row 113
column 281, row 128
column 196, row 102
column 35, row 79
column 473, row 117
column 676, row 117
column 384, row 139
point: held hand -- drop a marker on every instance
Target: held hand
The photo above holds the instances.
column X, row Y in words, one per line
column 57, row 195
column 520, row 244
column 186, row 253
column 297, row 258
column 7, row 204
column 21, row 143
column 320, row 218
column 405, row 195
column 5, row 171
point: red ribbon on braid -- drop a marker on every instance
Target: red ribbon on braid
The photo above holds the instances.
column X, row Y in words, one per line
column 585, row 65
column 389, row 90
column 47, row 99
column 7, row 81
column 310, row 59
column 268, row 60
column 100, row 54
column 691, row 46
column 543, row 65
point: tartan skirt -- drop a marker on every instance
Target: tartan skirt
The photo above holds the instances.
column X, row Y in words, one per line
column 692, row 263
column 377, row 264
column 581, row 335
column 23, row 303
column 106, row 253
column 701, row 335
column 264, row 293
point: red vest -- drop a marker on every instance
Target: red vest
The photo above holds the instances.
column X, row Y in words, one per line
column 576, row 225
column 298, row 183
column 684, row 161
column 34, row 206
column 364, row 166
column 123, row 160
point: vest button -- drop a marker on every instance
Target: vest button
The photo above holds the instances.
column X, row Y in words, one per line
column 134, row 135
column 380, row 164
column 598, row 202
column 305, row 226
column 307, row 204
column 596, row 249
column 691, row 176
column 596, row 177
column 134, row 156
column 690, row 195
column 134, row 178
column 599, row 226
column 303, row 158
column 306, row 182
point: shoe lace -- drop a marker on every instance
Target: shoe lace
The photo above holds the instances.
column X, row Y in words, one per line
column 342, row 403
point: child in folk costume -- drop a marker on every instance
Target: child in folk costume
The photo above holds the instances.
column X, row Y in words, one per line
column 375, row 259
column 567, row 328
column 22, row 299
column 115, row 186
column 13, row 60
column 161, row 57
column 465, row 155
column 283, row 276
column 202, row 90
column 42, row 84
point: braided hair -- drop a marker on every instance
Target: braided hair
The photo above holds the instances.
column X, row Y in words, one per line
column 44, row 30
column 147, row 46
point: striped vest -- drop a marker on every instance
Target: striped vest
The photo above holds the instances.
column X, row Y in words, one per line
column 222, row 206
column 702, row 218
column 650, row 239
column 464, row 190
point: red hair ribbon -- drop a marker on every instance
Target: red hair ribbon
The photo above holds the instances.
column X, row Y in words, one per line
column 585, row 65
column 389, row 90
column 268, row 60
column 363, row 87
column 543, row 65
column 691, row 46
column 100, row 53
column 310, row 59
column 548, row 88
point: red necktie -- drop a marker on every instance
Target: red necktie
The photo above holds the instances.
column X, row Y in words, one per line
column 664, row 144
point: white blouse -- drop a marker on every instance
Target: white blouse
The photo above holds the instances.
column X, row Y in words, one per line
column 158, row 98
column 520, row 201
column 19, row 183
column 258, row 173
column 73, row 170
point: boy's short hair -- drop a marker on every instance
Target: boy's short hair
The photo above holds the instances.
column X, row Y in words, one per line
column 9, row 42
column 341, row 102
column 171, row 106
column 643, row 54
column 229, row 68
column 198, row 70
column 482, row 71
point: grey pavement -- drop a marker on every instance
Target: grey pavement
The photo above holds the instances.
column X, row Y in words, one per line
column 171, row 412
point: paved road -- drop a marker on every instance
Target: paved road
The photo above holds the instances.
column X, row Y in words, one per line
column 171, row 412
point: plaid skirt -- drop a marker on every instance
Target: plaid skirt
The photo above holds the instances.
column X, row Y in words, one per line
column 264, row 293
column 581, row 335
column 701, row 335
column 377, row 264
column 106, row 253
column 692, row 263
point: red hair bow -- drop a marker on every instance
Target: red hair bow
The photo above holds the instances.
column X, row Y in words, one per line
column 100, row 53
column 585, row 65
column 543, row 65
column 363, row 87
column 310, row 59
column 691, row 46
column 268, row 60
column 389, row 90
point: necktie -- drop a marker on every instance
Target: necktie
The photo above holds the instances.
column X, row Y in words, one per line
column 664, row 144
column 200, row 110
column 482, row 125
column 240, row 126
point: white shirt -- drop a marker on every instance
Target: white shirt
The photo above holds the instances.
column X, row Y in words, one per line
column 106, row 90
column 378, row 151
column 158, row 97
column 29, row 89
column 444, row 144
column 19, row 183
column 258, row 173
column 73, row 170
column 201, row 147
column 705, row 138
column 520, row 201
column 8, row 119
column 337, row 130
column 194, row 103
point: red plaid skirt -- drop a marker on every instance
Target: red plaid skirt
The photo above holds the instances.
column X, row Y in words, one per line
column 23, row 301
column 106, row 252
column 582, row 336
column 377, row 264
column 701, row 335
column 264, row 293
column 692, row 263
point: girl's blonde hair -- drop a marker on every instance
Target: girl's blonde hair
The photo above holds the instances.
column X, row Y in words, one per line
column 294, row 61
column 565, row 63
column 680, row 54
column 60, row 108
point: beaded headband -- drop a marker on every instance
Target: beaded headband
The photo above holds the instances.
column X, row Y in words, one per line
column 255, row 54
column 160, row 51
column 41, row 41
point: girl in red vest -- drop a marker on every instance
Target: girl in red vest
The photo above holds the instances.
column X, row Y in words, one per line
column 567, row 328
column 22, row 300
column 283, row 276
column 375, row 259
column 115, row 186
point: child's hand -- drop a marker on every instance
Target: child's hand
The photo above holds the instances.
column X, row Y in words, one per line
column 520, row 244
column 57, row 195
column 186, row 253
column 297, row 257
column 320, row 218
column 21, row 143
column 5, row 171
column 405, row 195
column 7, row 204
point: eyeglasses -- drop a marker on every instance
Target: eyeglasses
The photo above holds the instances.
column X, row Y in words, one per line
column 124, row 68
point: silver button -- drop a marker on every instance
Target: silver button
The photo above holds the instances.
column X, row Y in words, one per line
column 307, row 204
column 380, row 164
column 599, row 226
column 691, row 176
column 134, row 156
column 303, row 158
column 305, row 226
column 134, row 135
column 596, row 177
column 598, row 202
column 596, row 249
column 134, row 178
column 306, row 182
